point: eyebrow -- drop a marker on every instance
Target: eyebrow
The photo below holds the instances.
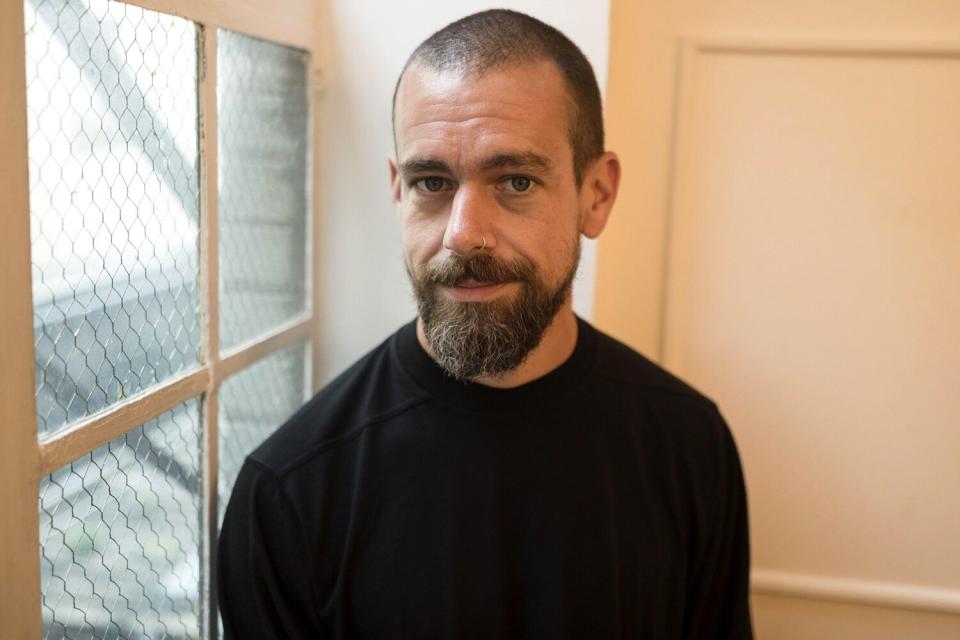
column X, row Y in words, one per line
column 525, row 160
column 423, row 165
column 522, row 160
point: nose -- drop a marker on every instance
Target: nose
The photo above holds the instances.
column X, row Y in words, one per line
column 470, row 225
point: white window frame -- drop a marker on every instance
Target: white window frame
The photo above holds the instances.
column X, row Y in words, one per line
column 26, row 459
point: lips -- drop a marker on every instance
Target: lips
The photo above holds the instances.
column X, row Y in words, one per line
column 470, row 290
column 470, row 283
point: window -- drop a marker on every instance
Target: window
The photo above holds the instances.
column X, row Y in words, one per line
column 160, row 176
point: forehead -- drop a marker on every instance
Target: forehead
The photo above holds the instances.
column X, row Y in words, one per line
column 464, row 117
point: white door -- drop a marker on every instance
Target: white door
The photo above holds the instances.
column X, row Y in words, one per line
column 789, row 242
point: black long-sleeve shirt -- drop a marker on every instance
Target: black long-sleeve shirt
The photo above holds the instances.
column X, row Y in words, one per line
column 603, row 500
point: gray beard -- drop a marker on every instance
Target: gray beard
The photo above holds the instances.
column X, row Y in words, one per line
column 474, row 339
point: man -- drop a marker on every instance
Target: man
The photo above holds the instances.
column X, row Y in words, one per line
column 497, row 468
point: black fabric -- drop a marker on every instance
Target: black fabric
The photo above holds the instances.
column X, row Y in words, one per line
column 603, row 500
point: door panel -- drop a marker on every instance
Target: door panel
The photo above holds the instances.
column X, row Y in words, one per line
column 814, row 270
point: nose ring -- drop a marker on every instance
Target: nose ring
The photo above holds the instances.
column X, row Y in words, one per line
column 481, row 247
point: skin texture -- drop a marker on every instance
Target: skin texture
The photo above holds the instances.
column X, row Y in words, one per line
column 485, row 164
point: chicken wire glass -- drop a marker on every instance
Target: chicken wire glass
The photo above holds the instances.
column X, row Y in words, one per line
column 120, row 535
column 253, row 403
column 263, row 136
column 113, row 150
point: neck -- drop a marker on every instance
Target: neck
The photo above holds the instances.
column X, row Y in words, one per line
column 558, row 342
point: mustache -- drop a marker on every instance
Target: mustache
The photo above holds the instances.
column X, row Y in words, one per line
column 481, row 267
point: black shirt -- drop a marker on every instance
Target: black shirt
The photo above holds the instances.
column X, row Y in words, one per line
column 603, row 500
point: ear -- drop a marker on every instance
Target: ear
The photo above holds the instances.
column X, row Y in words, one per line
column 394, row 179
column 598, row 193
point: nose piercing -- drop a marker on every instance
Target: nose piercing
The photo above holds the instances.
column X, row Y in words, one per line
column 482, row 247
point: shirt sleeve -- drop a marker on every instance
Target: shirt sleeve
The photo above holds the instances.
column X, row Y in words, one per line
column 718, row 598
column 264, row 589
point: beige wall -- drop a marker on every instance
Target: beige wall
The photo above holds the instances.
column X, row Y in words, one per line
column 786, row 240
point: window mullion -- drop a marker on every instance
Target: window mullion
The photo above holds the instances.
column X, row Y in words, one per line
column 80, row 438
column 315, row 86
column 286, row 335
column 19, row 453
column 210, row 330
column 293, row 26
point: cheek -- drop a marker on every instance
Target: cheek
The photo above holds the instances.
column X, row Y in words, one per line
column 422, row 238
column 561, row 256
column 551, row 245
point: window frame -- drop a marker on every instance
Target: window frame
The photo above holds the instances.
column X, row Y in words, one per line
column 25, row 458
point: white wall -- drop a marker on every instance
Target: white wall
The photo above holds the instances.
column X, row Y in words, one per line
column 363, row 283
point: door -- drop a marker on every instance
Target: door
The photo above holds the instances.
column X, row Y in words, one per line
column 788, row 240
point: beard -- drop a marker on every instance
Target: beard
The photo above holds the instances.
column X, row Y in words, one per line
column 472, row 339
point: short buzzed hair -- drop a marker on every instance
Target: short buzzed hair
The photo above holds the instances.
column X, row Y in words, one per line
column 499, row 38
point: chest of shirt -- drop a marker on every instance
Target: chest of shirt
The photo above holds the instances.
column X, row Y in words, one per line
column 506, row 528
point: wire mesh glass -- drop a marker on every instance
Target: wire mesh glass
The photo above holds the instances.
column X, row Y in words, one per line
column 113, row 157
column 120, row 535
column 253, row 403
column 263, row 137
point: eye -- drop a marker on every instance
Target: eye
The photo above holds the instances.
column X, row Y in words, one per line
column 518, row 184
column 432, row 184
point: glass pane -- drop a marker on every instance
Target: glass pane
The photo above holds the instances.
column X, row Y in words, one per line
column 263, row 138
column 112, row 122
column 253, row 404
column 120, row 535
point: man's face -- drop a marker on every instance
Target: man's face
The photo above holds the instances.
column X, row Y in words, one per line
column 489, row 209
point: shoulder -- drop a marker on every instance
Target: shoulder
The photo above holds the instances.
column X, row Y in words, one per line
column 371, row 391
column 619, row 364
column 666, row 405
column 682, row 428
